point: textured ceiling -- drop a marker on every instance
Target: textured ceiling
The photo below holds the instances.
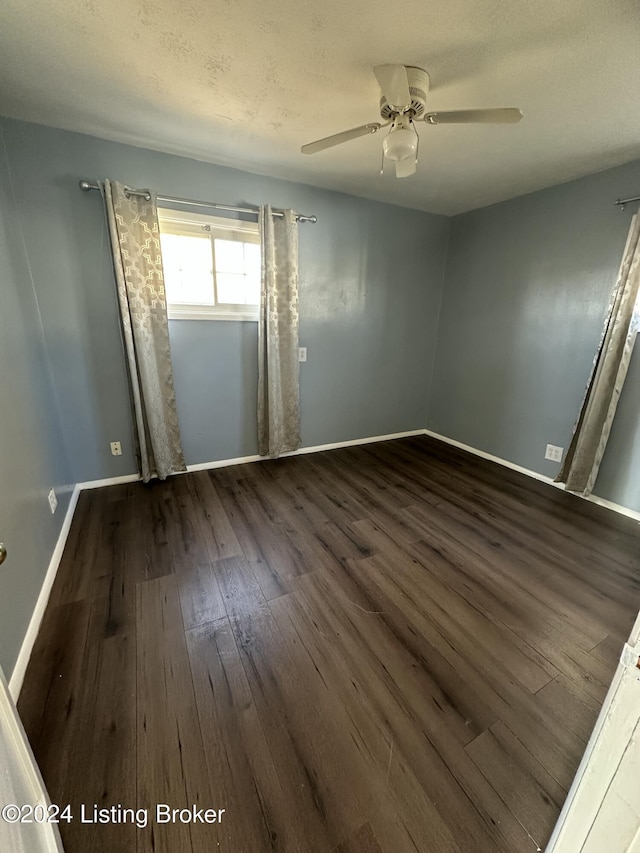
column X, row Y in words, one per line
column 245, row 83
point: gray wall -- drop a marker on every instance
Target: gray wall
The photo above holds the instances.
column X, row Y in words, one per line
column 370, row 290
column 526, row 292
column 32, row 453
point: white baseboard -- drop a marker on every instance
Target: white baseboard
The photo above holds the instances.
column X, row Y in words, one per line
column 109, row 481
column 243, row 460
column 20, row 668
column 223, row 463
column 316, row 448
column 623, row 510
column 504, row 462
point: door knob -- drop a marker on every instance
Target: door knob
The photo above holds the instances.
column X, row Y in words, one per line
column 3, row 553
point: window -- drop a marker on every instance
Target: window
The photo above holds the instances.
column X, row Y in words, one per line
column 211, row 266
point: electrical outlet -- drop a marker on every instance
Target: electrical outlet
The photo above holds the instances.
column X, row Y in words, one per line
column 116, row 449
column 554, row 453
column 53, row 501
column 302, row 353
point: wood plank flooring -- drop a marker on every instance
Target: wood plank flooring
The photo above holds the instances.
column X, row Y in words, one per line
column 383, row 649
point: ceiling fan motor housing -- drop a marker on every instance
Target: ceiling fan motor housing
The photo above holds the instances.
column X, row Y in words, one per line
column 418, row 89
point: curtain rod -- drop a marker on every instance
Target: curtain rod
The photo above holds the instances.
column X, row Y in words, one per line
column 623, row 201
column 85, row 186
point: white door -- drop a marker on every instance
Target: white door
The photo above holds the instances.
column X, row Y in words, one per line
column 602, row 811
column 26, row 814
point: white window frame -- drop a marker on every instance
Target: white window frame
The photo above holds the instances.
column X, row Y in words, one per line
column 187, row 223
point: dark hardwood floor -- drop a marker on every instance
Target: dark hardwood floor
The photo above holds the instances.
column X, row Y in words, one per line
column 394, row 647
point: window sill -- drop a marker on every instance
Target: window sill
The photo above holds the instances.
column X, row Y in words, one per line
column 242, row 316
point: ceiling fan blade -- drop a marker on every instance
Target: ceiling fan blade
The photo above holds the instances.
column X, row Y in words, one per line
column 394, row 84
column 339, row 138
column 406, row 167
column 506, row 115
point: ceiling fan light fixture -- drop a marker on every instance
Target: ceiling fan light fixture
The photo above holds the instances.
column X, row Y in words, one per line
column 400, row 143
column 404, row 90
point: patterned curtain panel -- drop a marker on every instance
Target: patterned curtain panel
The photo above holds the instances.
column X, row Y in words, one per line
column 135, row 244
column 591, row 432
column 278, row 369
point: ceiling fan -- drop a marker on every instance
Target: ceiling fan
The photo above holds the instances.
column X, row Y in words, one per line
column 404, row 94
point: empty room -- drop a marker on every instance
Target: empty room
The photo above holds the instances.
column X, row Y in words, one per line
column 320, row 427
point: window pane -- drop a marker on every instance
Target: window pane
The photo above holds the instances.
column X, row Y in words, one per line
column 231, row 288
column 237, row 272
column 252, row 259
column 188, row 275
column 229, row 256
column 252, row 290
